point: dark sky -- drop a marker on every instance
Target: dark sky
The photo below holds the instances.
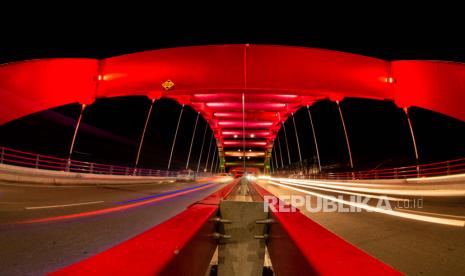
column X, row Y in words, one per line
column 112, row 127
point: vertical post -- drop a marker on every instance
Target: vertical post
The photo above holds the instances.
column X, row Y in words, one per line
column 143, row 133
column 2, row 153
column 275, row 155
column 243, row 131
column 213, row 160
column 217, row 165
column 297, row 138
column 271, row 166
column 192, row 140
column 287, row 145
column 209, row 149
column 83, row 107
column 346, row 136
column 413, row 140
column 37, row 161
column 280, row 151
column 314, row 139
column 201, row 148
column 175, row 135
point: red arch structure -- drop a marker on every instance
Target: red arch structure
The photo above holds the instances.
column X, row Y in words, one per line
column 275, row 81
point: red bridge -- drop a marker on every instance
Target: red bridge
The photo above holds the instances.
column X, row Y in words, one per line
column 245, row 93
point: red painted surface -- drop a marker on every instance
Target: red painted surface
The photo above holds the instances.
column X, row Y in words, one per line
column 215, row 198
column 276, row 81
column 299, row 246
column 434, row 85
column 182, row 245
column 32, row 86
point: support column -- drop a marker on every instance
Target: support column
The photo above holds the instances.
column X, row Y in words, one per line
column 280, row 151
column 175, row 135
column 141, row 142
column 287, row 145
column 297, row 138
column 71, row 148
column 192, row 140
column 417, row 159
column 217, row 165
column 203, row 144
column 213, row 160
column 275, row 157
column 272, row 163
column 347, row 137
column 209, row 149
column 314, row 138
column 243, row 131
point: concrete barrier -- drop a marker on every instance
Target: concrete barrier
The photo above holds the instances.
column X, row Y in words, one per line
column 22, row 175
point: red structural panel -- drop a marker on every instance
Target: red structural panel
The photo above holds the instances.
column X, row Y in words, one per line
column 182, row 245
column 36, row 85
column 201, row 68
column 274, row 80
column 434, row 85
column 299, row 246
column 316, row 72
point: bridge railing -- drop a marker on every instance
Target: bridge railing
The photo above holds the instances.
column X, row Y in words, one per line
column 41, row 161
column 455, row 166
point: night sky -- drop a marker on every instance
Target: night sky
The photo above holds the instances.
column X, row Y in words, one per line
column 111, row 129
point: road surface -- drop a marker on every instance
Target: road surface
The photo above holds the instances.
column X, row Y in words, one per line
column 409, row 245
column 46, row 228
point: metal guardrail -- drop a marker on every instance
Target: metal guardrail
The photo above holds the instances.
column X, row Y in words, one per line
column 40, row 161
column 450, row 167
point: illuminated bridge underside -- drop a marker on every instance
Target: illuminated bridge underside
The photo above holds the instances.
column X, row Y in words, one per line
column 276, row 81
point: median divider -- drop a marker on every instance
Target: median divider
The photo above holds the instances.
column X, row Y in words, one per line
column 185, row 244
column 182, row 245
column 297, row 245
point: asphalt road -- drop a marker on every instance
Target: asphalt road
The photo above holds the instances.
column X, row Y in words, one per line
column 411, row 246
column 31, row 247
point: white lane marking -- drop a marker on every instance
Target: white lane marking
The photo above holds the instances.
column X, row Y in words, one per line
column 63, row 205
column 429, row 213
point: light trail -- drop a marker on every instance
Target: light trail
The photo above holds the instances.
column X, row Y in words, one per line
column 63, row 205
column 113, row 209
column 348, row 193
column 435, row 178
column 445, row 221
column 430, row 213
column 399, row 192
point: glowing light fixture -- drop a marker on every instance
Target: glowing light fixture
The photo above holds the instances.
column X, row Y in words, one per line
column 390, row 80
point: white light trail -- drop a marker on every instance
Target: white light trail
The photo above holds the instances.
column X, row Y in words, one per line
column 63, row 205
column 420, row 191
column 431, row 219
